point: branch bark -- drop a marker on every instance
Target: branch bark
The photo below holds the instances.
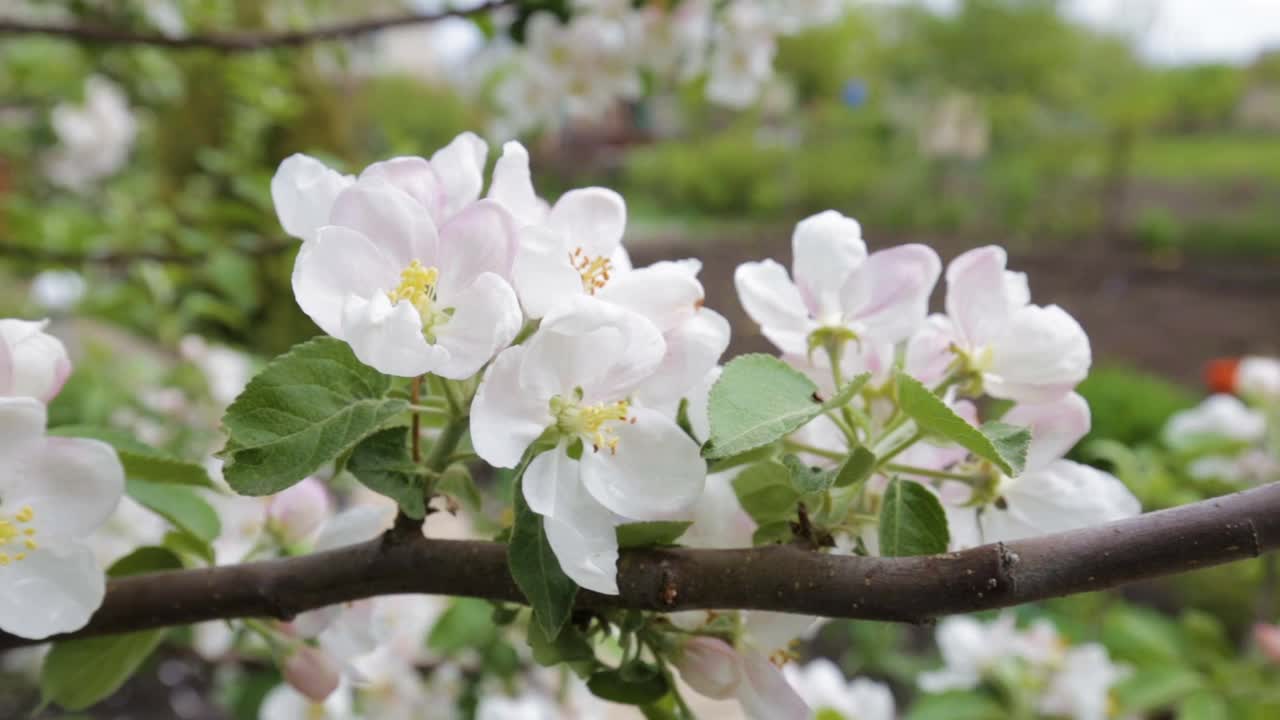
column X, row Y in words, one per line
column 245, row 41
column 779, row 578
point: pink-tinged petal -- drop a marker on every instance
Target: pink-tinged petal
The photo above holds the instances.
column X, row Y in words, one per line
column 828, row 248
column 54, row 589
column 506, row 417
column 604, row 349
column 929, row 352
column 1043, row 354
column 774, row 302
column 900, row 280
column 355, row 525
column 772, row 632
column 655, row 473
column 667, row 293
column 710, row 666
column 338, row 264
column 72, row 485
column 22, row 422
column 765, row 694
column 394, row 222
column 486, row 319
column 513, row 187
column 542, row 274
column 582, row 536
column 303, row 191
column 699, row 414
column 592, row 219
column 479, row 239
column 33, row 363
column 1062, row 496
column 460, row 166
column 548, row 476
column 1055, row 427
column 978, row 299
column 413, row 176
column 312, row 672
column 693, row 349
column 389, row 338
column 295, row 514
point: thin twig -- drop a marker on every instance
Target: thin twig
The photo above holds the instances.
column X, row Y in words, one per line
column 781, row 578
column 239, row 41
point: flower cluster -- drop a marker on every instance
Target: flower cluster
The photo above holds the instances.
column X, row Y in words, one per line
column 94, row 139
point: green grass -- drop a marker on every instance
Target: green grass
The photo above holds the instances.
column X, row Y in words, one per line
column 1209, row 158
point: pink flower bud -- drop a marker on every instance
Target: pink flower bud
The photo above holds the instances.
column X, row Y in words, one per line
column 710, row 666
column 1268, row 639
column 311, row 672
column 32, row 363
column 298, row 512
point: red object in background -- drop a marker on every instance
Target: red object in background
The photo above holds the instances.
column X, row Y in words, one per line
column 1220, row 374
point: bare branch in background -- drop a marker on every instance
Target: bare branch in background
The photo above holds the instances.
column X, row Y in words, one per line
column 246, row 41
column 778, row 578
column 122, row 258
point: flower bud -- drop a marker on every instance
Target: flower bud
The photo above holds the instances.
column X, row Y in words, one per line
column 710, row 666
column 311, row 672
column 295, row 514
column 1267, row 638
column 32, row 363
column 1258, row 378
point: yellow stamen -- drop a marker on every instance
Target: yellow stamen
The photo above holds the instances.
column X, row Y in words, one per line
column 25, row 514
column 31, row 544
column 29, row 532
column 594, row 271
column 591, row 422
column 4, row 559
column 418, row 287
column 20, row 556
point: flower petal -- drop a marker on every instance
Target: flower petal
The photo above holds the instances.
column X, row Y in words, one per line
column 354, row 525
column 413, row 176
column 978, row 297
column 929, row 351
column 486, row 319
column 900, row 281
column 460, row 166
column 591, row 218
column 303, row 191
column 693, row 349
column 828, row 248
column 33, row 363
column 54, row 589
column 774, row 303
column 765, row 693
column 667, row 293
column 72, row 485
column 581, row 533
column 542, row 274
column 400, row 226
column 334, row 266
column 505, row 417
column 584, row 343
column 657, row 471
column 389, row 338
column 1043, row 354
column 1055, row 427
column 548, row 475
column 513, row 187
column 1061, row 496
column 22, row 422
column 481, row 238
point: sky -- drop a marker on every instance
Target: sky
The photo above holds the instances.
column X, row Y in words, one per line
column 1181, row 31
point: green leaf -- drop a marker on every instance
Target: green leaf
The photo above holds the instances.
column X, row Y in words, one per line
column 141, row 461
column 180, row 505
column 614, row 686
column 79, row 673
column 764, row 491
column 759, row 399
column 857, row 467
column 569, row 646
column 457, row 483
column 381, row 462
column 1203, row 705
column 184, row 544
column 649, row 534
column 764, row 452
column 805, row 479
column 912, row 521
column 956, row 705
column 304, row 409
column 1153, row 688
column 1002, row 444
column 145, row 560
column 467, row 624
column 773, row 533
column 537, row 571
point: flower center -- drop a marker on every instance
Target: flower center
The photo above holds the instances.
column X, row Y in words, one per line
column 594, row 270
column 418, row 288
column 593, row 423
column 17, row 531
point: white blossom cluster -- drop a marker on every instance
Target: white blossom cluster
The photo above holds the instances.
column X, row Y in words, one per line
column 1233, row 435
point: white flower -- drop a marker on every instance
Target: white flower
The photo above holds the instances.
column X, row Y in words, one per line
column 824, row 688
column 525, row 707
column 295, row 514
column 881, row 299
column 1218, row 417
column 713, row 668
column 1258, row 377
column 54, row 493
column 311, row 672
column 410, row 299
column 577, row 375
column 57, row 290
column 33, row 363
column 303, row 191
column 93, row 139
column 970, row 649
column 742, row 57
column 1080, row 690
column 1020, row 351
column 225, row 371
column 286, row 703
column 1051, row 494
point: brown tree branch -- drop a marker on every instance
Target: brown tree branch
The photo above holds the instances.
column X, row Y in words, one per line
column 244, row 41
column 124, row 258
column 778, row 578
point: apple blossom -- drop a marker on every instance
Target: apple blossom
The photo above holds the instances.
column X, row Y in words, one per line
column 1218, row 417
column 57, row 290
column 835, row 285
column 410, row 299
column 303, row 190
column 63, row 490
column 1258, row 377
column 94, row 139
column 1267, row 638
column 825, row 690
column 283, row 702
column 576, row 377
column 311, row 672
column 992, row 334
column 1080, row 688
column 970, row 649
column 33, row 363
column 298, row 512
column 713, row 668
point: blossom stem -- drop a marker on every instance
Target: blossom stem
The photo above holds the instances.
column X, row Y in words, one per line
column 813, row 450
column 884, row 459
column 926, row 472
column 835, row 351
column 430, row 412
column 446, row 443
column 415, row 386
column 844, row 428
